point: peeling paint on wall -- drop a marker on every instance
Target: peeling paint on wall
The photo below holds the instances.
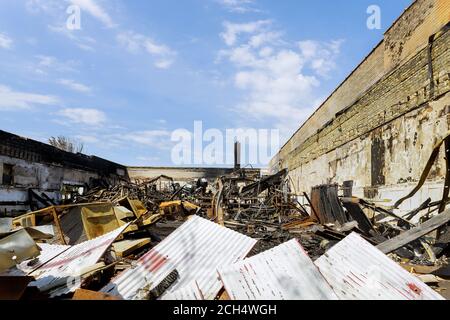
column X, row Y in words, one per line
column 383, row 140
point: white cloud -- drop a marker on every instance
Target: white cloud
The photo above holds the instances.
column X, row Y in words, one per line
column 134, row 42
column 5, row 41
column 87, row 139
column 233, row 30
column 275, row 86
column 84, row 116
column 58, row 7
column 16, row 100
column 321, row 56
column 71, row 84
column 163, row 64
column 84, row 43
column 272, row 74
column 95, row 10
column 32, row 41
column 262, row 38
column 147, row 160
column 47, row 63
column 156, row 139
column 240, row 6
column 47, row 6
column 152, row 138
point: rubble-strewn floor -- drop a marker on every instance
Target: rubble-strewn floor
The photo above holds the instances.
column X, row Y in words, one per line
column 239, row 235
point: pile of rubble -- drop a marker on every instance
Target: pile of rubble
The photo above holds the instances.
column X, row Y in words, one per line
column 239, row 238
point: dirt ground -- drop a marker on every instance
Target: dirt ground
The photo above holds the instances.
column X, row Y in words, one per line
column 444, row 289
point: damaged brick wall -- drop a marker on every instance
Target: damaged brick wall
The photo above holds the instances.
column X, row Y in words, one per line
column 412, row 29
column 45, row 169
column 382, row 140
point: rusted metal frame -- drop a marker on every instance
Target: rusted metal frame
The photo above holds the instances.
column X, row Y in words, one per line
column 410, row 215
column 426, row 171
column 50, row 200
column 336, row 207
column 33, row 195
column 385, row 211
column 447, row 176
column 217, row 204
column 313, row 211
column 58, row 208
column 326, row 208
column 415, row 233
column 441, row 230
column 430, row 64
column 176, row 193
column 303, row 209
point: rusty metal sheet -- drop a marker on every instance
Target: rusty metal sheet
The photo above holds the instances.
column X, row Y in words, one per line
column 285, row 272
column 86, row 295
column 196, row 249
column 71, row 221
column 61, row 274
column 98, row 220
column 358, row 271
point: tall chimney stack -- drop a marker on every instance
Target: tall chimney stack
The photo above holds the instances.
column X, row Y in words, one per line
column 237, row 155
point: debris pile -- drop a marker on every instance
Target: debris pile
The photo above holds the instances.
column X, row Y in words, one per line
column 151, row 192
column 240, row 238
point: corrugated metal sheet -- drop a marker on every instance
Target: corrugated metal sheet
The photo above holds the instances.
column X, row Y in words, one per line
column 358, row 271
column 285, row 272
column 150, row 270
column 48, row 252
column 196, row 249
column 188, row 293
column 71, row 262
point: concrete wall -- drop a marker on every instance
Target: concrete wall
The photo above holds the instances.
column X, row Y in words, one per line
column 181, row 174
column 39, row 177
column 377, row 129
column 45, row 169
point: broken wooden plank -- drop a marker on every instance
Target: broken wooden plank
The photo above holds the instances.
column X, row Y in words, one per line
column 126, row 247
column 415, row 233
column 82, row 294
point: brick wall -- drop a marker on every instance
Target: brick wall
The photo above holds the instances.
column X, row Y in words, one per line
column 379, row 126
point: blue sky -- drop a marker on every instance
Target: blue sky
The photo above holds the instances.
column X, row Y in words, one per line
column 140, row 69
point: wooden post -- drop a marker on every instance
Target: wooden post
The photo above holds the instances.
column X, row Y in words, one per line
column 58, row 224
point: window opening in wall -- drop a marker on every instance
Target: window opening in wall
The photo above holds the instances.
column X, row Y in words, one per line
column 71, row 192
column 7, row 177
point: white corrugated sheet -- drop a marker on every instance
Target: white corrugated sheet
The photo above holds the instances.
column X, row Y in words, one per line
column 49, row 252
column 187, row 293
column 71, row 262
column 148, row 271
column 285, row 272
column 196, row 249
column 358, row 271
